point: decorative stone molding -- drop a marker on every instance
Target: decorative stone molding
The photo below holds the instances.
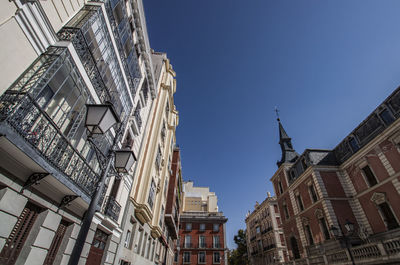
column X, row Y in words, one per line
column 319, row 213
column 378, row 198
column 305, row 220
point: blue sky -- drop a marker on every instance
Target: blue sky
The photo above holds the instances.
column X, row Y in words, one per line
column 325, row 64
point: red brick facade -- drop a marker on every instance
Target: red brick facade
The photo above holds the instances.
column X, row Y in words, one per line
column 209, row 233
column 357, row 182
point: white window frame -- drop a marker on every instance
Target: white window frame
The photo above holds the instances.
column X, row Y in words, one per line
column 198, row 257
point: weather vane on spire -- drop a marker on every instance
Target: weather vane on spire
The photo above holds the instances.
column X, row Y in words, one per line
column 277, row 113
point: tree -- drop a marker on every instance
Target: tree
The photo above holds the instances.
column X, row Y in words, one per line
column 238, row 256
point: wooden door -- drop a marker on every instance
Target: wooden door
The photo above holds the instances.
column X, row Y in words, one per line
column 16, row 240
column 97, row 249
column 55, row 244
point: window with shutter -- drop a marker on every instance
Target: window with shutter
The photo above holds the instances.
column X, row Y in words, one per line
column 16, row 240
column 55, row 244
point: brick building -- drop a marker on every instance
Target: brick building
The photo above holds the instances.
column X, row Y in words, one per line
column 322, row 194
column 265, row 239
column 202, row 229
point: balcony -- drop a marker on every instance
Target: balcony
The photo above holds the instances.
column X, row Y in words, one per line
column 173, row 228
column 26, row 124
column 112, row 208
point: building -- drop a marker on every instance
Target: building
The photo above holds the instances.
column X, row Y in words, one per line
column 174, row 199
column 264, row 235
column 202, row 228
column 339, row 206
column 59, row 56
column 147, row 237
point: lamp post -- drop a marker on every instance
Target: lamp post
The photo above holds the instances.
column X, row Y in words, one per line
column 350, row 229
column 99, row 119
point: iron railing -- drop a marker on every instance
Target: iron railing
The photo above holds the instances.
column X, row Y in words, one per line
column 112, row 208
column 24, row 115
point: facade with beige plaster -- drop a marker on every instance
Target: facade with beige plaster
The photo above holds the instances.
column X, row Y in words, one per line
column 147, row 236
column 264, row 234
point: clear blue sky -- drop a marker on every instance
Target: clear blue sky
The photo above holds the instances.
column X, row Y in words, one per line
column 325, row 63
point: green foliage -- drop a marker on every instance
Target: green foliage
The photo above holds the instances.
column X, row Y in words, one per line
column 238, row 256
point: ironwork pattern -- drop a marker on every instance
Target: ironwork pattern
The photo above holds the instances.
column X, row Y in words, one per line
column 20, row 109
column 112, row 208
column 99, row 64
column 124, row 38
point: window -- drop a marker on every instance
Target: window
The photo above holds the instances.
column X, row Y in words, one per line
column 161, row 217
column 216, row 242
column 258, row 230
column 188, row 240
column 216, row 258
column 158, row 158
column 215, row 227
column 148, row 248
column 388, row 216
column 139, row 245
column 167, row 109
column 299, row 202
column 324, row 228
column 188, row 227
column 127, row 239
column 386, row 117
column 55, row 244
column 202, row 227
column 163, row 133
column 152, row 193
column 176, row 257
column 369, row 176
column 202, row 257
column 144, row 244
column 309, row 235
column 285, row 211
column 353, row 144
column 202, row 241
column 186, row 257
column 313, row 194
column 280, row 187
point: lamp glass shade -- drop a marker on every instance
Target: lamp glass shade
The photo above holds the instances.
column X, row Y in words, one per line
column 349, row 226
column 100, row 118
column 124, row 160
column 334, row 231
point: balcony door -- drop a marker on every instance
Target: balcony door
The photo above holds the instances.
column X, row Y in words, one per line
column 97, row 249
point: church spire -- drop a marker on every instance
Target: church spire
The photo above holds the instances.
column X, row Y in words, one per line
column 289, row 155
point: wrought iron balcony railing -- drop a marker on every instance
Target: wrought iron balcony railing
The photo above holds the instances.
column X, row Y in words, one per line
column 112, row 208
column 20, row 110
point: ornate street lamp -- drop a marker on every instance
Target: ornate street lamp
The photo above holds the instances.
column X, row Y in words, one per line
column 100, row 118
column 124, row 160
column 350, row 229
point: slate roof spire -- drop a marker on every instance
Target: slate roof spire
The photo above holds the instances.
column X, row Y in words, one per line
column 289, row 155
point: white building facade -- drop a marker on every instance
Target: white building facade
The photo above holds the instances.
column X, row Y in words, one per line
column 56, row 57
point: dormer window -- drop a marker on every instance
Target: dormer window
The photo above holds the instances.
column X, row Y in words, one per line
column 354, row 144
column 386, row 117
